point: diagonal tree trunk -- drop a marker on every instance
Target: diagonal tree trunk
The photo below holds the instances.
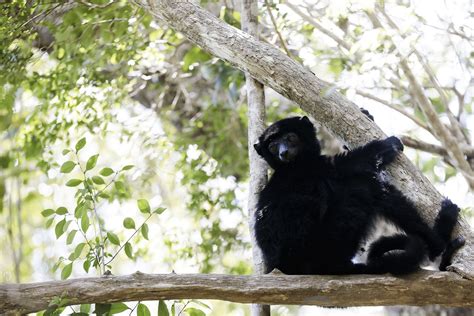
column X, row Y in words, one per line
column 319, row 99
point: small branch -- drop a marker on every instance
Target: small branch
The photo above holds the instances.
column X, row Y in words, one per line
column 394, row 107
column 282, row 41
column 432, row 148
column 318, row 26
column 422, row 288
column 129, row 238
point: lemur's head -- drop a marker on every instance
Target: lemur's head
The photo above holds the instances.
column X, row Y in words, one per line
column 285, row 141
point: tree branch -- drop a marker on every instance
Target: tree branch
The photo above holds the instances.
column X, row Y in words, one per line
column 422, row 288
column 395, row 107
column 432, row 148
column 275, row 26
column 318, row 26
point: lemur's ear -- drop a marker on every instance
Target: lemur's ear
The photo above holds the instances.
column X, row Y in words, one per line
column 258, row 148
column 305, row 119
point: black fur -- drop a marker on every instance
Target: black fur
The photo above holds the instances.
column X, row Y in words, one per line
column 316, row 211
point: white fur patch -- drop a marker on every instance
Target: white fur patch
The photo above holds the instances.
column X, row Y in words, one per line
column 379, row 227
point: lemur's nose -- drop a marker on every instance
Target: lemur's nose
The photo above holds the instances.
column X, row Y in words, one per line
column 283, row 154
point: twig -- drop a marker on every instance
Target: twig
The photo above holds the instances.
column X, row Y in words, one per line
column 282, row 41
column 96, row 215
column 136, row 305
column 432, row 148
column 123, row 245
column 318, row 26
column 394, row 107
column 182, row 309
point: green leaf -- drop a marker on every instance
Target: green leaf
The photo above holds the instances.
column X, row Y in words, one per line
column 119, row 186
column 194, row 312
column 143, row 205
column 80, row 210
column 127, row 167
column 98, row 180
column 105, row 172
column 80, row 144
column 86, row 265
column 85, row 223
column 91, row 162
column 144, row 231
column 102, row 309
column 67, row 166
column 129, row 223
column 128, row 250
column 73, row 182
column 143, row 310
column 163, row 309
column 118, row 308
column 66, row 226
column 200, row 303
column 66, row 272
column 66, row 151
column 49, row 222
column 77, row 251
column 194, row 55
column 59, row 229
column 103, row 195
column 56, row 265
column 85, row 308
column 47, row 212
column 70, row 237
column 113, row 238
column 61, row 210
column 159, row 210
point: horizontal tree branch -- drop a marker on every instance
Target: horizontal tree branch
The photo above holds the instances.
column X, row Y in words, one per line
column 422, row 288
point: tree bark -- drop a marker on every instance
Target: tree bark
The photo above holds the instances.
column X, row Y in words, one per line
column 257, row 167
column 422, row 288
column 318, row 98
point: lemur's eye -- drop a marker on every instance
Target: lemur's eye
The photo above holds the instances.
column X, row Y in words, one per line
column 273, row 147
column 292, row 137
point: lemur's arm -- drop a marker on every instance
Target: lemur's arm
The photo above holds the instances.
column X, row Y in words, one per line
column 369, row 158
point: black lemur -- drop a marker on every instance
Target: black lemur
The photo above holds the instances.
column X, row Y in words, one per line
column 316, row 210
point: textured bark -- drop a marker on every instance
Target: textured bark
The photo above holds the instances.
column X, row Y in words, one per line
column 423, row 288
column 258, row 168
column 316, row 97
